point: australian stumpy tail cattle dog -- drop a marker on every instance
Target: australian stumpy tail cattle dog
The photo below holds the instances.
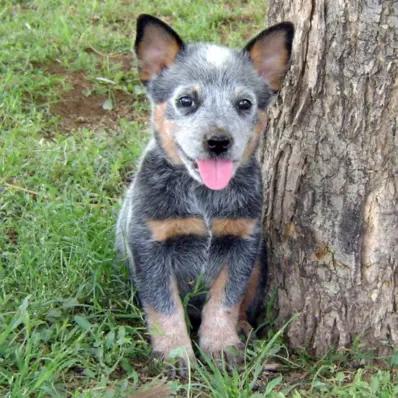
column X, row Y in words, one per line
column 193, row 210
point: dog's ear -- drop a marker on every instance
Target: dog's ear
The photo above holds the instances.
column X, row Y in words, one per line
column 270, row 53
column 156, row 46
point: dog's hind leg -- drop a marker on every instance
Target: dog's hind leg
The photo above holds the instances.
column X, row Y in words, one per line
column 253, row 300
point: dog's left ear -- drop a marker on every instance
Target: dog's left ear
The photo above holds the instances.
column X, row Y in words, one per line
column 270, row 53
column 156, row 46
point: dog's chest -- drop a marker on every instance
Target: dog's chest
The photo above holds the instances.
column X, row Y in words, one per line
column 199, row 262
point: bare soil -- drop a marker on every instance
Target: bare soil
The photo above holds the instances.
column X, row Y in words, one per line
column 81, row 107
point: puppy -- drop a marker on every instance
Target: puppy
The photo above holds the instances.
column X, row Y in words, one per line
column 193, row 210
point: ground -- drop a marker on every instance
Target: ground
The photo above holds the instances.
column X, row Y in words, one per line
column 73, row 122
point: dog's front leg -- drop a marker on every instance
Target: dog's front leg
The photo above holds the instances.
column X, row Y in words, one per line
column 166, row 324
column 234, row 250
column 160, row 248
column 158, row 292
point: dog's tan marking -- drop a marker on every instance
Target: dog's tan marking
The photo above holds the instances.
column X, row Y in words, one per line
column 252, row 145
column 156, row 51
column 165, row 129
column 270, row 58
column 240, row 227
column 169, row 331
column 251, row 290
column 219, row 322
column 171, row 227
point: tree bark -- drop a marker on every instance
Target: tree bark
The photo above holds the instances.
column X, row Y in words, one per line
column 330, row 164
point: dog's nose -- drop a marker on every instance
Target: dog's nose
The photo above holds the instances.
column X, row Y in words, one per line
column 218, row 144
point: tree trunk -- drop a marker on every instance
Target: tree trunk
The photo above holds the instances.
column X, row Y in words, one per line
column 330, row 164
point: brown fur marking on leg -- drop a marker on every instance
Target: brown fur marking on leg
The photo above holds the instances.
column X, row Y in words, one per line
column 241, row 227
column 164, row 127
column 251, row 290
column 169, row 331
column 171, row 227
column 218, row 328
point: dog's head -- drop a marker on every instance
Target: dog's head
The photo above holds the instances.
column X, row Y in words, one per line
column 209, row 101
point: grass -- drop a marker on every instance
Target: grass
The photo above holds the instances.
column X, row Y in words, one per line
column 68, row 324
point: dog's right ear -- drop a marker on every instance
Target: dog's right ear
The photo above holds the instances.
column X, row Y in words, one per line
column 156, row 46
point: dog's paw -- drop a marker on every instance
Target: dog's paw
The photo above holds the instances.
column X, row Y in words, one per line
column 177, row 361
column 231, row 356
column 177, row 368
column 224, row 349
column 245, row 330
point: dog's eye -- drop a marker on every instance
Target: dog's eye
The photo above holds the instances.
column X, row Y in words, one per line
column 244, row 104
column 185, row 102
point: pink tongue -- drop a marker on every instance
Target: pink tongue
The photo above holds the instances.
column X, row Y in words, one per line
column 215, row 173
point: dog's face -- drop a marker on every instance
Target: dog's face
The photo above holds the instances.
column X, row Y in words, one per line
column 208, row 101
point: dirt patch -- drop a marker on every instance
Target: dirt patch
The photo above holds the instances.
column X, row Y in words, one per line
column 123, row 59
column 81, row 107
column 12, row 236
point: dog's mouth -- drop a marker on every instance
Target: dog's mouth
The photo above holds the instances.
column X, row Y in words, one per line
column 215, row 173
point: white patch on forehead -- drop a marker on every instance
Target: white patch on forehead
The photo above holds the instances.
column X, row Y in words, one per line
column 217, row 55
